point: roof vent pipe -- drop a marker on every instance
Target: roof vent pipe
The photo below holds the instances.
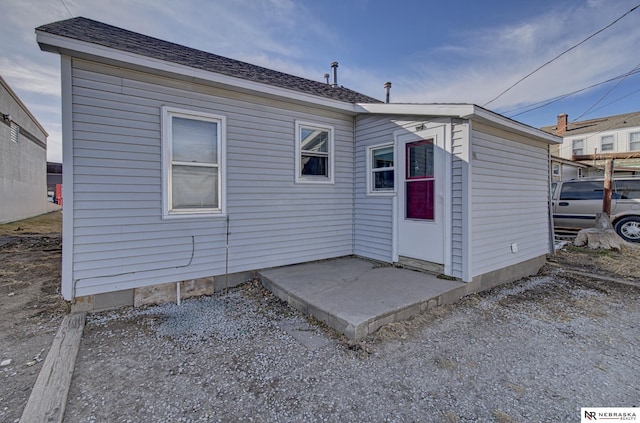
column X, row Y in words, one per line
column 387, row 89
column 334, row 67
column 326, row 78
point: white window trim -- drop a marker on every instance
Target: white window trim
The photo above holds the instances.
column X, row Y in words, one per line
column 308, row 179
column 370, row 190
column 630, row 142
column 167, row 113
column 613, row 143
column 573, row 143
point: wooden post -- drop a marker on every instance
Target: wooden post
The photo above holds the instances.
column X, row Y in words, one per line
column 608, row 183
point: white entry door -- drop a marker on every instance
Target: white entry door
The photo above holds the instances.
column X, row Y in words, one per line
column 420, row 207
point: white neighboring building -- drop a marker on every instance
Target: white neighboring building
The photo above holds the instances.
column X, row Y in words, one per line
column 594, row 141
column 23, row 160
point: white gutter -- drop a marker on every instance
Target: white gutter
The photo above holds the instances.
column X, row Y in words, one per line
column 463, row 111
column 82, row 49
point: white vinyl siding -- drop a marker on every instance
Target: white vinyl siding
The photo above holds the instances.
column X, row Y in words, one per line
column 510, row 179
column 120, row 240
column 373, row 213
column 459, row 202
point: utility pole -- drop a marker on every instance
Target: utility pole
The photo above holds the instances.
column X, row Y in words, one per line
column 608, row 184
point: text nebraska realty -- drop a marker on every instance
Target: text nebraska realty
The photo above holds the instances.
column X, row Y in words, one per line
column 610, row 416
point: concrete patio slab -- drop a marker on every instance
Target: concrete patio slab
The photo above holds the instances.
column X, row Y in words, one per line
column 357, row 296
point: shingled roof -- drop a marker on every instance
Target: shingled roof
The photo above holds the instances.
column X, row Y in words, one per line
column 609, row 123
column 95, row 32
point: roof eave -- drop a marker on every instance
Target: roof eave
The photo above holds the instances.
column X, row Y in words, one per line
column 23, row 106
column 86, row 50
column 463, row 111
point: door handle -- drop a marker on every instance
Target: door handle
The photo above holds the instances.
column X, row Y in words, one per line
column 563, row 203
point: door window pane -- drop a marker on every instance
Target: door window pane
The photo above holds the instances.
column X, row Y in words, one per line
column 583, row 190
column 420, row 159
column 628, row 189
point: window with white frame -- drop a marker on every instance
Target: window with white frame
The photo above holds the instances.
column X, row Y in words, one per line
column 606, row 143
column 578, row 147
column 193, row 156
column 380, row 169
column 314, row 153
column 15, row 131
column 634, row 141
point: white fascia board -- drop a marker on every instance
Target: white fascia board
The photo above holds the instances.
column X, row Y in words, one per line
column 457, row 110
column 75, row 48
column 463, row 111
column 483, row 114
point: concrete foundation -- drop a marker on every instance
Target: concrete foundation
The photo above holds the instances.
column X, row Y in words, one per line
column 161, row 293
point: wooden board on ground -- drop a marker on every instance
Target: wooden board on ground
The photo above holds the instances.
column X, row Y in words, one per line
column 49, row 395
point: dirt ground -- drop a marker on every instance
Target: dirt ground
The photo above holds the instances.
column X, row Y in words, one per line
column 31, row 308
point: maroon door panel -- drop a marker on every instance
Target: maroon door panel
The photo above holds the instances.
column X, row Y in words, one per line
column 420, row 200
column 419, row 180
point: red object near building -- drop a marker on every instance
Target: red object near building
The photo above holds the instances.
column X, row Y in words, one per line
column 58, row 197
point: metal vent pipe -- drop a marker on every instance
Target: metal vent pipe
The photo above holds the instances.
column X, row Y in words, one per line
column 334, row 67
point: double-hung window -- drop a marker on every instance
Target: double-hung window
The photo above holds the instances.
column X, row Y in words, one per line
column 380, row 169
column 193, row 152
column 607, row 143
column 578, row 147
column 634, row 141
column 314, row 153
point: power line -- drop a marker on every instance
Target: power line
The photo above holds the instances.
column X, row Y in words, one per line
column 548, row 101
column 558, row 56
column 616, row 100
column 65, row 6
column 607, row 93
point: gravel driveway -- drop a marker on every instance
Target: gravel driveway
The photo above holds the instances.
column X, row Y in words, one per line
column 535, row 350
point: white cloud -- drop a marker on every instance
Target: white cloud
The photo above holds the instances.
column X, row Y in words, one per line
column 485, row 63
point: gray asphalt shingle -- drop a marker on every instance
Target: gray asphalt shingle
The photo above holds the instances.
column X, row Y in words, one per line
column 99, row 33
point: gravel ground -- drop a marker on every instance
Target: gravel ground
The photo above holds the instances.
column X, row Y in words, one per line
column 535, row 350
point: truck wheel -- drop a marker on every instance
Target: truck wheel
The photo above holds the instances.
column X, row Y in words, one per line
column 629, row 228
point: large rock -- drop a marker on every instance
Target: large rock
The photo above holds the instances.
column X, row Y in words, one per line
column 602, row 236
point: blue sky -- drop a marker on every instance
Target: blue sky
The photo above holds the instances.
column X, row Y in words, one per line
column 465, row 51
